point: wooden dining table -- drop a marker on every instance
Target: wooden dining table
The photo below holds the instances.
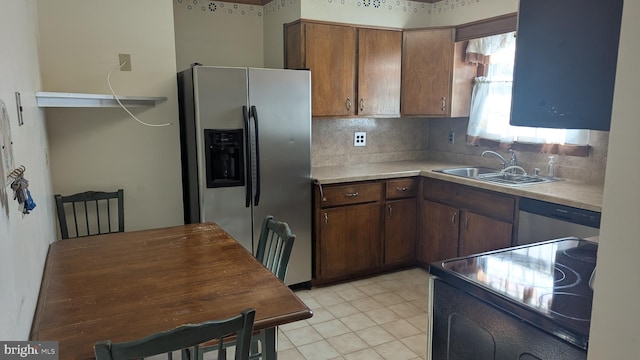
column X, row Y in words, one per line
column 128, row 285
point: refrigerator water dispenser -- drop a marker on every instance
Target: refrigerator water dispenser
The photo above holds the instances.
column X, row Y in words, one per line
column 224, row 157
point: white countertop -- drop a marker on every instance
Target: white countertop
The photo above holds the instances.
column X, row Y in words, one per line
column 566, row 192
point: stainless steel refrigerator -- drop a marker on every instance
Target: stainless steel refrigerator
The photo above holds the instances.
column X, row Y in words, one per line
column 246, row 153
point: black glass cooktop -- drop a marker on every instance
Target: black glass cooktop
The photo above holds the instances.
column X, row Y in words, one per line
column 546, row 283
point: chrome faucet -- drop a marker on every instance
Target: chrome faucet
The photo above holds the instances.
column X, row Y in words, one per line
column 504, row 161
column 514, row 159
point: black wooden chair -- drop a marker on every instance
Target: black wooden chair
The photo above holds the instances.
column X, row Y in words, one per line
column 90, row 213
column 185, row 339
column 274, row 250
column 274, row 246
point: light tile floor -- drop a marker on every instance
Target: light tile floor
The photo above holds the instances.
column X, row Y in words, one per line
column 382, row 317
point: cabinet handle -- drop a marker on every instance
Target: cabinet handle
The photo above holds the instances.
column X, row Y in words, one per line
column 466, row 222
column 402, row 189
column 361, row 104
column 348, row 104
column 351, row 194
column 444, row 103
column 324, row 199
column 453, row 218
column 326, row 219
column 390, row 210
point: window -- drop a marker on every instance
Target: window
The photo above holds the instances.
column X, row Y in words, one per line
column 491, row 105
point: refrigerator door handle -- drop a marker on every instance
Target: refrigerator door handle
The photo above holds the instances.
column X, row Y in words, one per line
column 254, row 112
column 247, row 142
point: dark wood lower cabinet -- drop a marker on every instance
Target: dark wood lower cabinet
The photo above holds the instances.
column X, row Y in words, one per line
column 438, row 232
column 480, row 233
column 362, row 228
column 458, row 220
column 367, row 227
column 400, row 231
column 351, row 240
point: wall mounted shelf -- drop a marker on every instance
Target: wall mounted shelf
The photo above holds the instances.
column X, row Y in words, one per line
column 58, row 99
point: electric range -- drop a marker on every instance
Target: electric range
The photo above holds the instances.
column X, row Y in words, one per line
column 544, row 284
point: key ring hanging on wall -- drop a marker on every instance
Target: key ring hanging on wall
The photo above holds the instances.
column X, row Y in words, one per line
column 17, row 173
column 21, row 193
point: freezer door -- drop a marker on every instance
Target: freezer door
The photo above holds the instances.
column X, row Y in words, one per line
column 282, row 101
column 220, row 94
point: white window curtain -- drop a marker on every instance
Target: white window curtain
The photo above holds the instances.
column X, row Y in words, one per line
column 491, row 100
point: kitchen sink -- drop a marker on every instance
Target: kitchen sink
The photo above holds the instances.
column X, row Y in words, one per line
column 470, row 172
column 514, row 179
column 495, row 176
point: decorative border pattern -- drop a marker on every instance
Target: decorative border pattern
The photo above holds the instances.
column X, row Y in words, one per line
column 220, row 7
column 451, row 5
column 227, row 8
column 275, row 6
column 380, row 5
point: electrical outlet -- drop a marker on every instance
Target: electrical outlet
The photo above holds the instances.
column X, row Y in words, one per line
column 360, row 138
column 452, row 136
column 126, row 59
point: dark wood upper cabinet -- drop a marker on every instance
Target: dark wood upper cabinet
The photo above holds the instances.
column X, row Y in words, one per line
column 436, row 81
column 379, row 62
column 565, row 66
column 354, row 70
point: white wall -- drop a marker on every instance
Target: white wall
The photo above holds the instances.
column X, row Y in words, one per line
column 391, row 13
column 24, row 240
column 277, row 13
column 103, row 148
column 220, row 33
column 615, row 324
column 447, row 13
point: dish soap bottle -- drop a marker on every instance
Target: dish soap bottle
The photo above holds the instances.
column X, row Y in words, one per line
column 551, row 167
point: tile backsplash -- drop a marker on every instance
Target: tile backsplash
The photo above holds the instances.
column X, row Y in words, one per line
column 387, row 139
column 394, row 139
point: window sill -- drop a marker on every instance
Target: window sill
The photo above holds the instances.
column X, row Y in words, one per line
column 553, row 149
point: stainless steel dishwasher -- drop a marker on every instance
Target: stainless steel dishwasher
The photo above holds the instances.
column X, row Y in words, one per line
column 541, row 220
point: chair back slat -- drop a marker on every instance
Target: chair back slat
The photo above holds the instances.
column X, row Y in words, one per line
column 108, row 215
column 90, row 212
column 274, row 246
column 86, row 218
column 184, row 338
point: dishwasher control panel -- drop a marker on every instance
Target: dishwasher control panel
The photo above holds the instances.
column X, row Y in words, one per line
column 561, row 212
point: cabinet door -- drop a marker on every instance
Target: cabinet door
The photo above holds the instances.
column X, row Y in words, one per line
column 427, row 72
column 330, row 55
column 379, row 62
column 400, row 231
column 438, row 232
column 350, row 240
column 479, row 234
column 550, row 88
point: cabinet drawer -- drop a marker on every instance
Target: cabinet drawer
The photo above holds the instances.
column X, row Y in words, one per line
column 351, row 194
column 401, row 188
column 495, row 205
